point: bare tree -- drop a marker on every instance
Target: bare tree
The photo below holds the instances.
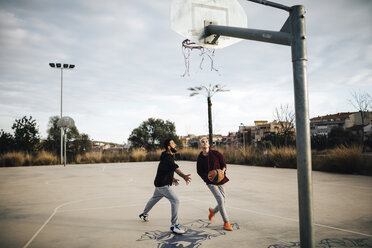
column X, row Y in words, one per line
column 362, row 101
column 286, row 119
column 208, row 92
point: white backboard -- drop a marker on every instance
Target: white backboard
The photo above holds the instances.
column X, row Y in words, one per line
column 189, row 17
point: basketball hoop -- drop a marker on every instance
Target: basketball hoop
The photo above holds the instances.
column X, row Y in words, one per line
column 187, row 47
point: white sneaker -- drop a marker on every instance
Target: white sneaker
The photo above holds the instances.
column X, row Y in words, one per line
column 176, row 229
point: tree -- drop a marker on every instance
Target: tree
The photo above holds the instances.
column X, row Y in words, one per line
column 152, row 133
column 286, row 118
column 81, row 145
column 341, row 137
column 6, row 142
column 26, row 134
column 208, row 92
column 76, row 143
column 362, row 102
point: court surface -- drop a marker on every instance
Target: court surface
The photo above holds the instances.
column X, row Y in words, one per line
column 98, row 205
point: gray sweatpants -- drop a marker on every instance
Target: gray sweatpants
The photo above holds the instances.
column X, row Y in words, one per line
column 219, row 193
column 167, row 192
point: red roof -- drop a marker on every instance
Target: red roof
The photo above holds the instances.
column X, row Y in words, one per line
column 334, row 116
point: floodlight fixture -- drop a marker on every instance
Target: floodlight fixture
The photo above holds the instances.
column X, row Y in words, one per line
column 52, row 65
column 58, row 65
column 72, row 66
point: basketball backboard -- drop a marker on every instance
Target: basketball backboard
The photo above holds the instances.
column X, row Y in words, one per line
column 190, row 17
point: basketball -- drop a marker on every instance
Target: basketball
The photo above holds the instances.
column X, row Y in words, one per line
column 215, row 176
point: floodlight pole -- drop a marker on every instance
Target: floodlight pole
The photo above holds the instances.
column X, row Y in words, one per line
column 62, row 66
column 62, row 136
column 292, row 34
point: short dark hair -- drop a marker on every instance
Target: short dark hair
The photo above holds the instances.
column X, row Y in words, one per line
column 166, row 143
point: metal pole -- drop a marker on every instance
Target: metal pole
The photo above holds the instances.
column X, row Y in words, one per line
column 65, row 140
column 303, row 145
column 61, row 116
column 210, row 121
column 244, row 139
column 297, row 40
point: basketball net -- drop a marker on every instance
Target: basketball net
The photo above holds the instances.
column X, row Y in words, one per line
column 188, row 47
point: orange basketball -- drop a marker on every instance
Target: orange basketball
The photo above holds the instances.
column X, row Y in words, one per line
column 215, row 176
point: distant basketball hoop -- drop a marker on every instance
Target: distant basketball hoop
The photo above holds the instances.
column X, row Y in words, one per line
column 66, row 122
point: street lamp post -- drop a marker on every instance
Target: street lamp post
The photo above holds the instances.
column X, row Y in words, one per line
column 243, row 131
column 62, row 67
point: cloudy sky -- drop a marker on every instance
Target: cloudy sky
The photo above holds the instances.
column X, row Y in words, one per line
column 129, row 65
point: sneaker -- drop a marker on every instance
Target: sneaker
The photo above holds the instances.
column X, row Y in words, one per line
column 176, row 229
column 227, row 226
column 144, row 217
column 210, row 216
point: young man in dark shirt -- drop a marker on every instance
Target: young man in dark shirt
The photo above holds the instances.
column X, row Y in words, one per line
column 163, row 182
column 209, row 160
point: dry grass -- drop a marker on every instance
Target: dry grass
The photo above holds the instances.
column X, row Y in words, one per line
column 284, row 157
column 340, row 160
column 89, row 158
column 12, row 159
column 153, row 155
column 44, row 158
column 190, row 154
column 137, row 155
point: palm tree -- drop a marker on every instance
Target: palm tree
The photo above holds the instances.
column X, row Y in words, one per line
column 209, row 92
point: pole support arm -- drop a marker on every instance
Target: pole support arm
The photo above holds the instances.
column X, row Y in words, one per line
column 281, row 38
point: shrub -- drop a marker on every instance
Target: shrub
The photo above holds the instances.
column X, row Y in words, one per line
column 45, row 158
column 137, row 155
column 283, row 157
column 12, row 159
column 153, row 155
column 190, row 154
column 341, row 160
column 89, row 158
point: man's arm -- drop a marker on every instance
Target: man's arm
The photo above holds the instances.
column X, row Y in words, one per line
column 202, row 172
column 221, row 159
column 187, row 177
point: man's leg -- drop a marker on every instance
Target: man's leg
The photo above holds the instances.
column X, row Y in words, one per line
column 153, row 200
column 168, row 193
column 219, row 193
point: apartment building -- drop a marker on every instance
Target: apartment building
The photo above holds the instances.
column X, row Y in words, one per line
column 322, row 125
column 250, row 135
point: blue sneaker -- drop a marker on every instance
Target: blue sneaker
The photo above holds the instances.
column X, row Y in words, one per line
column 144, row 217
column 176, row 229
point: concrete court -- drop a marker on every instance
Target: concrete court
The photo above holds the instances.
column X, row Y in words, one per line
column 98, row 205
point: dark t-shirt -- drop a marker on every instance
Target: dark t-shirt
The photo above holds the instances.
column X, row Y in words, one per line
column 166, row 168
column 214, row 160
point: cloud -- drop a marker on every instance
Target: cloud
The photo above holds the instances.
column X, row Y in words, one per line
column 129, row 65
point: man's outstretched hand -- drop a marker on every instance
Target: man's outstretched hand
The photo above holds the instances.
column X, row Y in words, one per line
column 187, row 178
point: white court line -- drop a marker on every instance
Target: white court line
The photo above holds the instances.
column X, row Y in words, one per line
column 111, row 207
column 289, row 219
column 82, row 209
column 52, row 215
column 104, row 167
